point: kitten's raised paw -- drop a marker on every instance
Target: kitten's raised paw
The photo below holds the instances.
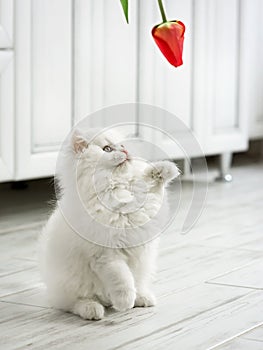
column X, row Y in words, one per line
column 123, row 299
column 163, row 171
column 89, row 310
column 145, row 300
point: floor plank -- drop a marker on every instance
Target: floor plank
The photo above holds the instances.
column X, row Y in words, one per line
column 249, row 339
column 205, row 330
column 19, row 281
column 250, row 276
column 254, row 334
column 20, row 244
column 35, row 296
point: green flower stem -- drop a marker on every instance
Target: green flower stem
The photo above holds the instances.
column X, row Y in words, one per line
column 160, row 3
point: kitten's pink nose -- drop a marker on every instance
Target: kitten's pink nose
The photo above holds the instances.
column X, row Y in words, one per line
column 126, row 152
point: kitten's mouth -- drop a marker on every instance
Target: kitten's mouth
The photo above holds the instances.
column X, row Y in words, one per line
column 127, row 159
column 124, row 161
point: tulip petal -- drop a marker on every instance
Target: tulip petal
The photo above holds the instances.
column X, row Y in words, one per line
column 169, row 37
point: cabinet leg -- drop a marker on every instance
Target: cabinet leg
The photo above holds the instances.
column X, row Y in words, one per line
column 225, row 160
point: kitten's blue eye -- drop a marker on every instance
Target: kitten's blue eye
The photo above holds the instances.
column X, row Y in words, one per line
column 107, row 149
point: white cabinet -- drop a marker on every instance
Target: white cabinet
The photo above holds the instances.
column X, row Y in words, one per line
column 44, row 83
column 253, row 55
column 221, row 121
column 6, row 24
column 206, row 93
column 66, row 69
column 162, row 85
column 6, row 91
column 72, row 58
column 105, row 56
column 159, row 83
column 6, row 116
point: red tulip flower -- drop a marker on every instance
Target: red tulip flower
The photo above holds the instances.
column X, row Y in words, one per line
column 169, row 37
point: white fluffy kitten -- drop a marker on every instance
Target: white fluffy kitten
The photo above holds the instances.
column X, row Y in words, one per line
column 99, row 246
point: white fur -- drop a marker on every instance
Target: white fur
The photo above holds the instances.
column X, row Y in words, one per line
column 83, row 275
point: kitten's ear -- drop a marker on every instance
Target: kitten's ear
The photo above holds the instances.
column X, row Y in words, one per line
column 78, row 141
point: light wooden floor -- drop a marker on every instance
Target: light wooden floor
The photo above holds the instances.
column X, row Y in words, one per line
column 209, row 285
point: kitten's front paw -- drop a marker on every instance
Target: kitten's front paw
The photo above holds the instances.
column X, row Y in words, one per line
column 89, row 310
column 123, row 299
column 163, row 171
column 145, row 300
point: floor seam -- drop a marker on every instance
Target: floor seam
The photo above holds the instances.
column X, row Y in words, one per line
column 234, row 336
column 233, row 285
column 17, row 303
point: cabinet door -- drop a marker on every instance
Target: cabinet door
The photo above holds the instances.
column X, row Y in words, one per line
column 207, row 92
column 6, row 24
column 252, row 72
column 6, row 91
column 161, row 84
column 219, row 90
column 6, row 116
column 43, row 83
column 105, row 58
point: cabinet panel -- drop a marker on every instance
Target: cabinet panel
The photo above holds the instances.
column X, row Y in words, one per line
column 6, row 116
column 6, row 23
column 43, row 83
column 51, row 52
column 252, row 41
column 207, row 92
column 105, row 56
column 223, row 62
column 160, row 83
column 218, row 111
